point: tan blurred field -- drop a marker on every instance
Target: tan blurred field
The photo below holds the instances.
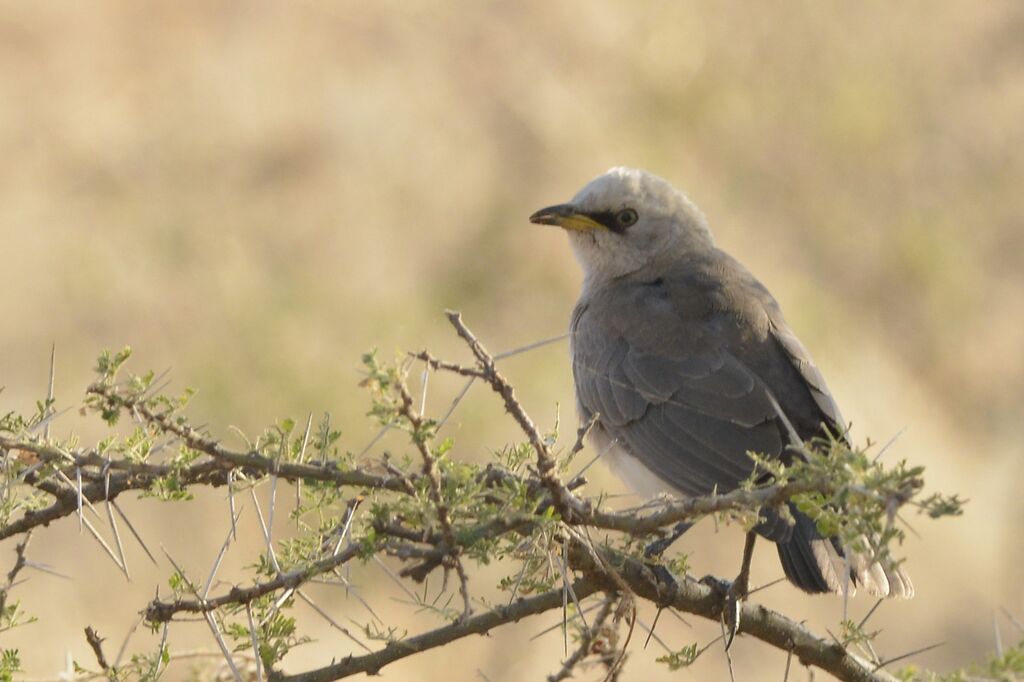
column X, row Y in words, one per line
column 253, row 194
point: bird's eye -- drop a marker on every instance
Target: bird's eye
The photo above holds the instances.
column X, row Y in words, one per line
column 626, row 217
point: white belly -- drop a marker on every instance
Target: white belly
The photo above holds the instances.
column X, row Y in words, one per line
column 628, row 468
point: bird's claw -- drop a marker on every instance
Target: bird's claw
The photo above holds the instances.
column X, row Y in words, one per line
column 665, row 582
column 731, row 611
column 719, row 586
column 658, row 547
column 732, row 595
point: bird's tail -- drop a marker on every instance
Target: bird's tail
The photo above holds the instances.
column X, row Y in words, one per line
column 816, row 564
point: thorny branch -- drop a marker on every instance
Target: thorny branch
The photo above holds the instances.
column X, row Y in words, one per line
column 12, row 575
column 161, row 612
column 438, row 517
column 567, row 504
column 96, row 644
column 593, row 640
column 421, row 438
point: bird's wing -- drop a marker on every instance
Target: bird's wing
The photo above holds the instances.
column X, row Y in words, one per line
column 671, row 389
column 809, row 372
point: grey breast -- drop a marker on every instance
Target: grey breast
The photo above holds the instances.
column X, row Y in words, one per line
column 685, row 366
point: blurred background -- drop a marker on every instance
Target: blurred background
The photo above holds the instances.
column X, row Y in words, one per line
column 253, row 194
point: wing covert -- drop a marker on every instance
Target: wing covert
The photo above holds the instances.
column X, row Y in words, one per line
column 688, row 414
column 801, row 360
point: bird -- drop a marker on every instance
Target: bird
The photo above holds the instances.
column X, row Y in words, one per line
column 685, row 363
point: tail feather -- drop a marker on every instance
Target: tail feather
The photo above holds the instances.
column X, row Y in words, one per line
column 816, row 564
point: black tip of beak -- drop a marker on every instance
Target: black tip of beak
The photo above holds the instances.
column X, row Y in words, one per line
column 552, row 215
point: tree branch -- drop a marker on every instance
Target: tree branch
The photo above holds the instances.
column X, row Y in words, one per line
column 420, row 437
column 701, row 600
column 475, row 625
column 161, row 612
column 444, row 515
column 12, row 575
column 567, row 504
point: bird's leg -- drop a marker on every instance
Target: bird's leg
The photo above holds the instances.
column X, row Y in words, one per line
column 658, row 547
column 737, row 592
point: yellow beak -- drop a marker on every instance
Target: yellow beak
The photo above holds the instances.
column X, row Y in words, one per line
column 567, row 217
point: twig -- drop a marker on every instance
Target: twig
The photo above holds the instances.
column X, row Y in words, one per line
column 699, row 599
column 131, row 528
column 349, row 589
column 49, row 390
column 46, row 568
column 208, row 617
column 127, row 638
column 78, row 480
column 892, row 660
column 231, row 504
column 770, row 583
column 572, row 619
column 254, row 638
column 589, row 634
column 159, row 612
column 395, row 579
column 615, row 668
column 455, row 403
column 373, row 441
column 266, row 532
column 1010, row 617
column 727, row 638
column 654, row 624
column 103, row 543
column 350, row 514
column 96, row 644
column 581, row 434
column 421, row 437
column 604, row 451
column 565, row 502
column 220, row 555
column 301, row 459
column 323, row 614
column 870, row 613
column 474, row 625
column 567, row 584
column 997, row 636
column 113, row 526
column 649, row 629
column 12, row 575
column 217, row 635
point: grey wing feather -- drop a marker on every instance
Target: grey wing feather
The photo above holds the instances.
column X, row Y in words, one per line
column 801, row 359
column 690, row 417
column 606, row 384
column 690, row 375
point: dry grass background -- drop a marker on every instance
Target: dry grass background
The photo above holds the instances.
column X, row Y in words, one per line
column 255, row 193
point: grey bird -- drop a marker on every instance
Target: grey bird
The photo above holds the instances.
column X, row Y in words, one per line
column 687, row 361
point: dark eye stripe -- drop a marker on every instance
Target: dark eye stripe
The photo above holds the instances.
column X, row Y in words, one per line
column 607, row 218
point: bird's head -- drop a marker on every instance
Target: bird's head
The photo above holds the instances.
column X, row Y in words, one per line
column 625, row 220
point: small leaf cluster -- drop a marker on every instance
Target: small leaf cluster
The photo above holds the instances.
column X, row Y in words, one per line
column 1005, row 667
column 683, row 658
column 411, row 505
column 853, row 495
column 13, row 616
column 10, row 664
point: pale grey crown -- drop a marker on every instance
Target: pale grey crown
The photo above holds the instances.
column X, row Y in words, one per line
column 667, row 223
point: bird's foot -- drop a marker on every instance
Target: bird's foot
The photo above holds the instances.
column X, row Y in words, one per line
column 655, row 549
column 732, row 608
column 718, row 586
column 732, row 595
column 666, row 583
